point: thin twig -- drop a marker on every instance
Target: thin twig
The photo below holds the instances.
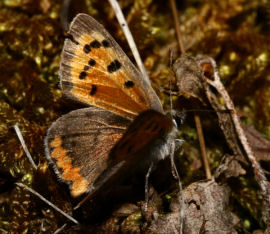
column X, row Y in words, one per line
column 177, row 26
column 42, row 229
column 202, row 145
column 196, row 117
column 60, row 229
column 28, row 155
column 130, row 40
column 3, row 231
column 48, row 202
column 171, row 63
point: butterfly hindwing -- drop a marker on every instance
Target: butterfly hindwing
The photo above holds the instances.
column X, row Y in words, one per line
column 78, row 145
column 94, row 70
column 147, row 140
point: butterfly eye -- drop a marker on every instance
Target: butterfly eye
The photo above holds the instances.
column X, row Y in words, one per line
column 177, row 118
column 208, row 70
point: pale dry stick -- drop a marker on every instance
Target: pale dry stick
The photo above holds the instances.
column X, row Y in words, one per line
column 196, row 116
column 3, row 231
column 122, row 21
column 42, row 229
column 258, row 171
column 28, row 155
column 60, row 229
column 48, row 202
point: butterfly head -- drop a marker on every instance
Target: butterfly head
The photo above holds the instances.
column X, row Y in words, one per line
column 177, row 117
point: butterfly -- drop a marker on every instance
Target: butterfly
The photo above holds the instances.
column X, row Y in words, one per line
column 122, row 131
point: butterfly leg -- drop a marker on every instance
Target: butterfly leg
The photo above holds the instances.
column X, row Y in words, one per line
column 146, row 186
column 174, row 147
column 178, row 144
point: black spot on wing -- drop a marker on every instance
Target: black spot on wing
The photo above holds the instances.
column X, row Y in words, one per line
column 86, row 68
column 92, row 62
column 86, row 48
column 82, row 75
column 129, row 84
column 114, row 66
column 105, row 43
column 95, row 44
column 93, row 90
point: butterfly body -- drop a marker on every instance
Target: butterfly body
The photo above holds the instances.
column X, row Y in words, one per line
column 124, row 130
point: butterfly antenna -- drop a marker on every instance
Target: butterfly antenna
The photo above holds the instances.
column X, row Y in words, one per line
column 60, row 229
column 170, row 79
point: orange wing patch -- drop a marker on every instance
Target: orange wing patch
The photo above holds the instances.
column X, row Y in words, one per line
column 94, row 70
column 98, row 77
column 79, row 184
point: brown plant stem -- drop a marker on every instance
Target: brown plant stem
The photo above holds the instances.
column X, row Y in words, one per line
column 196, row 117
column 202, row 146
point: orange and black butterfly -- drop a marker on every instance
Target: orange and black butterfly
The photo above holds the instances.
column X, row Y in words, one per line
column 124, row 130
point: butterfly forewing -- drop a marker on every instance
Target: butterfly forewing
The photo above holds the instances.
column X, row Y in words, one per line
column 78, row 145
column 94, row 70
